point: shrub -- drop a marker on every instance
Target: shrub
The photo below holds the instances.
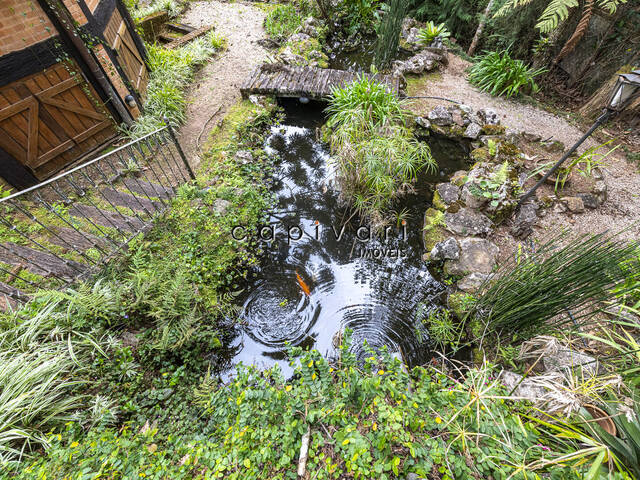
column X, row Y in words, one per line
column 282, row 21
column 499, row 74
column 429, row 33
column 389, row 30
column 377, row 156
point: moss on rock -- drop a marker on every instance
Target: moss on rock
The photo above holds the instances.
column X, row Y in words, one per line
column 433, row 230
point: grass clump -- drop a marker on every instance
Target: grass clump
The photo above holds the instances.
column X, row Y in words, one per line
column 499, row 74
column 533, row 294
column 171, row 73
column 377, row 156
column 282, row 21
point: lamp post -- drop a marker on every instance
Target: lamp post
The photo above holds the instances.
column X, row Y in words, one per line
column 626, row 90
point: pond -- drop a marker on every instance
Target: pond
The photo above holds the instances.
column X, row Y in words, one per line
column 323, row 272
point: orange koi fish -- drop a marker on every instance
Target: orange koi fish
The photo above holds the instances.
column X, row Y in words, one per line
column 305, row 288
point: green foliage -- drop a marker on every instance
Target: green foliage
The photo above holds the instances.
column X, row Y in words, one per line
column 373, row 420
column 458, row 15
column 171, row 73
column 442, row 329
column 377, row 156
column 282, row 21
column 172, row 7
column 388, row 31
column 360, row 15
column 557, row 11
column 429, row 33
column 499, row 74
column 533, row 294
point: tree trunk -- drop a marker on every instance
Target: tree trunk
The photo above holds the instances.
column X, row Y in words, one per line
column 483, row 22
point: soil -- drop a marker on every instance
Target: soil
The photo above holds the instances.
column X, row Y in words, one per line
column 217, row 85
column 620, row 211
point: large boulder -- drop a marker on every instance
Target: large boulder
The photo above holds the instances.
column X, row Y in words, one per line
column 440, row 116
column 467, row 222
column 477, row 255
column 473, row 282
column 446, row 250
column 424, row 61
column 446, row 194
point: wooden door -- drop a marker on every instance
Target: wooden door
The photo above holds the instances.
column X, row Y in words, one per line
column 51, row 119
column 129, row 57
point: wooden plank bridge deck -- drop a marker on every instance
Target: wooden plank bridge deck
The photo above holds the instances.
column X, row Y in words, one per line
column 311, row 82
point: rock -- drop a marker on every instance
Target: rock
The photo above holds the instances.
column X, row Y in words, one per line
column 530, row 137
column 423, row 122
column 559, row 208
column 422, row 62
column 471, row 200
column 565, row 360
column 589, row 201
column 488, row 116
column 268, row 43
column 413, row 36
column 298, row 37
column 472, row 131
column 527, row 216
column 574, row 204
column 447, row 250
column 527, row 388
column 458, row 119
column 309, row 27
column 467, row 222
column 413, row 476
column 600, row 191
column 243, row 157
column 449, row 193
column 220, row 206
column 433, row 230
column 466, row 109
column 472, row 282
column 287, row 57
column 440, row 116
column 477, row 255
column 512, row 136
column 553, row 146
column 459, row 177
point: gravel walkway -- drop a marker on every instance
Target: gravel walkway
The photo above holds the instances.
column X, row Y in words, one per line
column 622, row 209
column 217, row 85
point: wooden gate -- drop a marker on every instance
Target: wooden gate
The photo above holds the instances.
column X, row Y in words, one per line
column 50, row 119
column 121, row 42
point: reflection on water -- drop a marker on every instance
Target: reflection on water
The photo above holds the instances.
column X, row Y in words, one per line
column 371, row 286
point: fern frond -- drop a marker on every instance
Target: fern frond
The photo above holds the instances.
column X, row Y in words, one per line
column 512, row 5
column 556, row 12
column 610, row 5
column 579, row 32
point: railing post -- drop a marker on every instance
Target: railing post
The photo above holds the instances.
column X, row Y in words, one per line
column 179, row 148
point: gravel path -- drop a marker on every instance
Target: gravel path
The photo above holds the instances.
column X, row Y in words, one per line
column 621, row 210
column 217, row 85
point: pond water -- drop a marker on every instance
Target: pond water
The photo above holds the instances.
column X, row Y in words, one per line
column 313, row 285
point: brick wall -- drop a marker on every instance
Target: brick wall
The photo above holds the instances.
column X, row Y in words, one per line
column 75, row 11
column 114, row 77
column 22, row 24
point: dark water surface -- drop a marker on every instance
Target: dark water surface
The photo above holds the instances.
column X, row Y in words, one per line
column 373, row 287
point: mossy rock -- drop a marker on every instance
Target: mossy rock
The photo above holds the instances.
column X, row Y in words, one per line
column 438, row 203
column 480, row 154
column 493, row 130
column 433, row 230
column 509, row 149
column 451, row 131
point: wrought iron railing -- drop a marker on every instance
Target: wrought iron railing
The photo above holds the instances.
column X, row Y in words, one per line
column 67, row 227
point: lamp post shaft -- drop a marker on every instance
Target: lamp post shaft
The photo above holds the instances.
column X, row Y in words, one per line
column 601, row 119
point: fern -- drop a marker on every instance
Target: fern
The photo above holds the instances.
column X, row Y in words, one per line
column 556, row 12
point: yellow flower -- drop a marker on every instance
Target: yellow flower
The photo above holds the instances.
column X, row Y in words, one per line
column 74, row 444
column 380, row 372
column 314, row 376
column 438, row 420
column 310, row 364
column 142, row 475
column 288, row 388
column 374, row 426
column 346, row 441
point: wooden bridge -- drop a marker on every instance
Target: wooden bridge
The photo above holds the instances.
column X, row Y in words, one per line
column 310, row 82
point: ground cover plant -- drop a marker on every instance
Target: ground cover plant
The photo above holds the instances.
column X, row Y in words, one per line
column 171, row 73
column 376, row 154
column 499, row 74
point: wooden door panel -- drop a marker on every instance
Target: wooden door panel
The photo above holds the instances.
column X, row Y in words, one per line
column 50, row 119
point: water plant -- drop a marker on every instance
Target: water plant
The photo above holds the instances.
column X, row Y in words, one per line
column 432, row 30
column 499, row 74
column 563, row 281
column 376, row 154
column 388, row 31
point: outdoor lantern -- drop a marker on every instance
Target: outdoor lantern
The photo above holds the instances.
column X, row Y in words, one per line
column 626, row 90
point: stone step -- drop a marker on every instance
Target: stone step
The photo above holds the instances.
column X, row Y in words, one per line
column 39, row 262
column 108, row 218
column 147, row 188
column 137, row 203
column 73, row 240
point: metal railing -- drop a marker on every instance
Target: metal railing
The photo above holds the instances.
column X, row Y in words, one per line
column 67, row 227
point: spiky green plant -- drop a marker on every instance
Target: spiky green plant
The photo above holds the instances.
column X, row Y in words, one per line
column 389, row 31
column 499, row 74
column 534, row 294
column 431, row 30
